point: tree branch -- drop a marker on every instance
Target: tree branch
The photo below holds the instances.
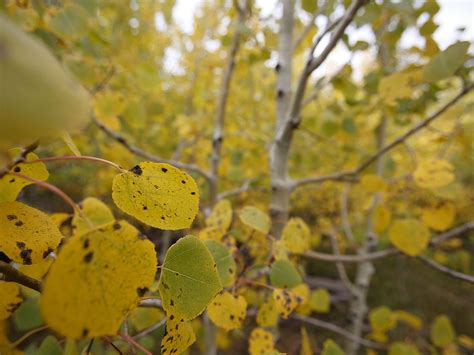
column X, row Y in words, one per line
column 352, row 174
column 338, row 330
column 446, row 270
column 19, row 159
column 14, row 275
column 141, row 153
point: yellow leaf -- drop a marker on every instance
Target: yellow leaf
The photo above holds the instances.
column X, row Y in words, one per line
column 227, row 311
column 320, row 300
column 439, row 217
column 410, row 319
column 285, row 301
column 409, row 235
column 279, row 250
column 38, row 270
column 27, row 235
column 10, row 298
column 373, row 183
column 211, row 233
column 267, row 315
column 306, row 348
column 260, row 342
column 255, row 218
column 221, row 216
column 399, row 85
column 178, row 337
column 442, row 331
column 67, row 139
column 10, row 186
column 109, row 104
column 381, row 219
column 382, row 319
column 399, row 348
column 466, row 341
column 433, row 173
column 331, row 348
column 296, row 235
column 303, row 292
column 97, row 214
column 97, row 279
column 159, row 195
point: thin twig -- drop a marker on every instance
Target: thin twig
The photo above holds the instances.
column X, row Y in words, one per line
column 135, row 344
column 151, row 303
column 446, row 270
column 338, row 330
column 14, row 275
column 352, row 174
column 341, row 270
column 25, row 336
column 154, row 158
column 150, row 329
column 74, row 157
column 346, row 225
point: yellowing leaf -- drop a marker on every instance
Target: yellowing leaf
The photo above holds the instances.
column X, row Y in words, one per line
column 296, row 235
column 409, row 235
column 67, row 139
column 442, row 331
column 260, row 342
column 381, row 219
column 267, row 315
column 97, row 213
column 306, row 348
column 399, row 348
column 225, row 262
column 410, row 319
column 279, row 250
column 10, row 186
column 283, row 274
column 27, row 235
column 285, row 301
column 178, row 337
column 320, row 300
column 109, row 104
column 227, row 311
column 211, row 233
column 97, row 279
column 331, row 348
column 159, row 195
column 373, row 183
column 398, row 85
column 433, row 173
column 439, row 217
column 382, row 319
column 255, row 218
column 221, row 216
column 189, row 278
column 445, row 63
column 10, row 298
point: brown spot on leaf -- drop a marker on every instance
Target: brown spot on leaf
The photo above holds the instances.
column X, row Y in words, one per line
column 141, row 291
column 136, row 170
column 88, row 257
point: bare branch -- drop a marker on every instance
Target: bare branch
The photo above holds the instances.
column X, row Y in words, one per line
column 352, row 174
column 341, row 270
column 239, row 190
column 150, row 329
column 14, row 275
column 309, row 26
column 141, row 153
column 446, row 270
column 151, row 303
column 387, row 252
column 346, row 225
column 338, row 330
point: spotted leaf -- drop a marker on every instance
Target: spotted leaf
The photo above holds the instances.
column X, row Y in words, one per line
column 227, row 311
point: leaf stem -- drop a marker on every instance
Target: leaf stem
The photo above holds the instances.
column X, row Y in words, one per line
column 73, row 157
column 27, row 335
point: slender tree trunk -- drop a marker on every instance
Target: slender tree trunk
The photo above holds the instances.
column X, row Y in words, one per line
column 279, row 205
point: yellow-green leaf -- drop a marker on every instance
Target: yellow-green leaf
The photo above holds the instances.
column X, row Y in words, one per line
column 382, row 319
column 306, row 347
column 10, row 298
column 189, row 278
column 320, row 300
column 296, row 235
column 10, row 186
column 178, row 337
column 221, row 216
column 399, row 348
column 255, row 218
column 96, row 212
column 224, row 260
column 267, row 315
column 27, row 235
column 227, row 311
column 445, row 63
column 283, row 274
column 331, row 348
column 157, row 194
column 442, row 331
column 97, row 279
column 409, row 235
column 433, row 173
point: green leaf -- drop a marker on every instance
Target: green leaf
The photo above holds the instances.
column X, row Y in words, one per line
column 309, row 5
column 50, row 346
column 224, row 260
column 331, row 348
column 255, row 218
column 28, row 316
column 159, row 195
column 70, row 23
column 283, row 274
column 399, row 348
column 320, row 300
column 442, row 331
column 189, row 278
column 445, row 63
